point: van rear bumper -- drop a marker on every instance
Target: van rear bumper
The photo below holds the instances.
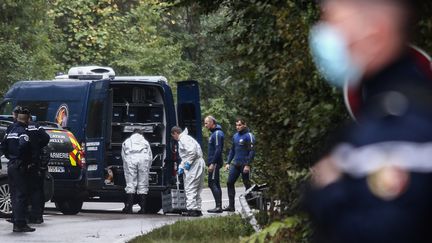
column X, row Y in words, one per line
column 118, row 194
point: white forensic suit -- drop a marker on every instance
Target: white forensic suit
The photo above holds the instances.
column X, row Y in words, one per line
column 190, row 151
column 137, row 158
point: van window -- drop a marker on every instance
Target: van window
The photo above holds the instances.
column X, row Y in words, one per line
column 6, row 108
column 94, row 119
column 37, row 108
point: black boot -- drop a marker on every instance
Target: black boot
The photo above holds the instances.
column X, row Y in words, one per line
column 142, row 203
column 128, row 203
column 22, row 228
column 217, row 209
column 230, row 207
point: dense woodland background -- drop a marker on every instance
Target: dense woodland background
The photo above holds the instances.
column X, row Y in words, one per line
column 251, row 58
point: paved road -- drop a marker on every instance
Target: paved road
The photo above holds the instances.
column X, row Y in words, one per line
column 98, row 222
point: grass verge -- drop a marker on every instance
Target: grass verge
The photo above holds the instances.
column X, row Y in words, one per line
column 214, row 229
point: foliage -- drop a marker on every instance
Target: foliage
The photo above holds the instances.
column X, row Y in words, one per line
column 25, row 47
column 127, row 37
column 291, row 230
column 146, row 46
column 14, row 65
column 223, row 229
column 86, row 29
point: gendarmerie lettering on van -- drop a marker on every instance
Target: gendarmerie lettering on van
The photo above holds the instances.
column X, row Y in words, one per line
column 102, row 110
column 59, row 155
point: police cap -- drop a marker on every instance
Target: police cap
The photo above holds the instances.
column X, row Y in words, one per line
column 24, row 111
column 17, row 109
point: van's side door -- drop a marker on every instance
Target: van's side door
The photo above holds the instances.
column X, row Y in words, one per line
column 95, row 132
column 189, row 108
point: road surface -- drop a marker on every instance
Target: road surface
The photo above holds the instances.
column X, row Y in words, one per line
column 99, row 222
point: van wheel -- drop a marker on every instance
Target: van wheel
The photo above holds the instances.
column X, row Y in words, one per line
column 5, row 199
column 154, row 204
column 70, row 206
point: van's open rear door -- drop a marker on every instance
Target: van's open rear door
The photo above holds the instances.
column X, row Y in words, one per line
column 189, row 108
column 97, row 110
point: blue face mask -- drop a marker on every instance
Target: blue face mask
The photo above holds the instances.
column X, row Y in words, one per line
column 331, row 56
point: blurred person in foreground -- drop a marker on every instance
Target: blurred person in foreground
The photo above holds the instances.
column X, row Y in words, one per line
column 375, row 184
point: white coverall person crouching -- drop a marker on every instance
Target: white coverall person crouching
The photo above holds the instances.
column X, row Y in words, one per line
column 193, row 166
column 137, row 158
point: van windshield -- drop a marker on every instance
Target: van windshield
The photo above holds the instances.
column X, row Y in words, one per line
column 6, row 108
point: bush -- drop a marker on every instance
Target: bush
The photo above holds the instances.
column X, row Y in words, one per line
column 214, row 229
column 291, row 230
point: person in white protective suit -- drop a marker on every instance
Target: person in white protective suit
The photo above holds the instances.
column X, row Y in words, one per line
column 192, row 166
column 137, row 158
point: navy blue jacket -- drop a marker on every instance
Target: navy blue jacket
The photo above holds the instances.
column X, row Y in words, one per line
column 39, row 139
column 16, row 143
column 215, row 146
column 242, row 150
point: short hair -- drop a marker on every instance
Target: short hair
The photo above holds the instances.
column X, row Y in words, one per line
column 176, row 129
column 241, row 120
column 212, row 118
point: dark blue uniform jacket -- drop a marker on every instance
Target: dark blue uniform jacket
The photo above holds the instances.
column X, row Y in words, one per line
column 39, row 139
column 215, row 146
column 16, row 143
column 242, row 150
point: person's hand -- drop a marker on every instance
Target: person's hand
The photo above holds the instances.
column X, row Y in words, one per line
column 187, row 165
column 325, row 172
column 180, row 171
column 246, row 169
column 211, row 168
column 227, row 166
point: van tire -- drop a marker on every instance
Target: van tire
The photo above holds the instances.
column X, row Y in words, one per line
column 154, row 204
column 69, row 206
column 5, row 199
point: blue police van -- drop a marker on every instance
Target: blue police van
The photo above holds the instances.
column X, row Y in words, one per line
column 102, row 110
